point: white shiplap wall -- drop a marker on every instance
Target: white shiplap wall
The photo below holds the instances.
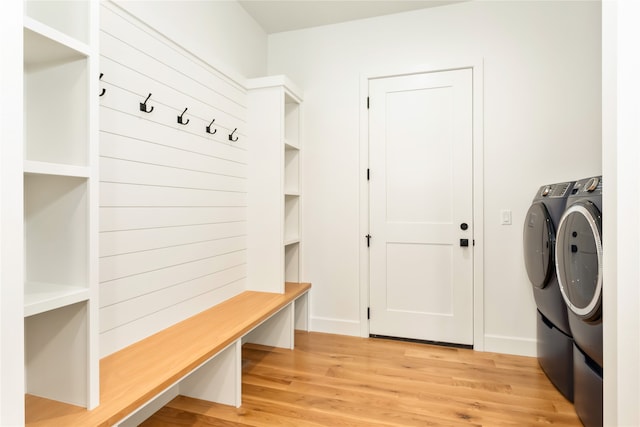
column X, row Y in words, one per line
column 173, row 199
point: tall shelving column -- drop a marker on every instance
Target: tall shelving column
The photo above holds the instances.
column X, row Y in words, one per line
column 292, row 202
column 275, row 200
column 61, row 201
column 11, row 271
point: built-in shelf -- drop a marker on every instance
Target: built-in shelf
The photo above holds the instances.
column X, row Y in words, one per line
column 71, row 18
column 291, row 218
column 275, row 190
column 56, row 96
column 46, row 45
column 55, row 224
column 292, row 241
column 55, row 347
column 292, row 262
column 291, row 120
column 46, row 168
column 60, row 199
column 292, row 188
column 40, row 297
column 290, row 145
column 291, row 171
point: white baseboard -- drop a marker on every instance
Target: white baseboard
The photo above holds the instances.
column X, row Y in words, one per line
column 492, row 343
column 510, row 345
column 335, row 326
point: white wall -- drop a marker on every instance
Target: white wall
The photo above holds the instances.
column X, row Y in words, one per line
column 219, row 32
column 173, row 198
column 542, row 122
column 621, row 156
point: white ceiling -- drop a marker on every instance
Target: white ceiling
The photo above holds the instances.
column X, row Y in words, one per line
column 276, row 15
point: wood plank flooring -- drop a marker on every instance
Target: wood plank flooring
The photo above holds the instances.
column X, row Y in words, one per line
column 334, row 380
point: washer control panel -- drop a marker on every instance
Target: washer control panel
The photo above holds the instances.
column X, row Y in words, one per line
column 555, row 190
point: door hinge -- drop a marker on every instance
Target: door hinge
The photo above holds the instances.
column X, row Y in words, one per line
column 368, row 236
column 368, row 171
column 369, row 313
column 367, row 102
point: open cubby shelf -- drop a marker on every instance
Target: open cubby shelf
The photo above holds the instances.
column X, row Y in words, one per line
column 60, row 57
column 276, row 189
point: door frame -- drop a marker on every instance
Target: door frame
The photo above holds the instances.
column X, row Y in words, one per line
column 476, row 65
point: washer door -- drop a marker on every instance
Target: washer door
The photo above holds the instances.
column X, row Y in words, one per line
column 539, row 243
column 579, row 259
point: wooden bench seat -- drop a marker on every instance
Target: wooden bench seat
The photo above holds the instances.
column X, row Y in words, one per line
column 135, row 375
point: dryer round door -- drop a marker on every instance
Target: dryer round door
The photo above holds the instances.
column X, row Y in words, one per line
column 579, row 259
column 539, row 243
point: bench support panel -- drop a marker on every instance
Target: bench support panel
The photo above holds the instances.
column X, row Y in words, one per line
column 144, row 412
column 218, row 380
column 277, row 331
column 301, row 306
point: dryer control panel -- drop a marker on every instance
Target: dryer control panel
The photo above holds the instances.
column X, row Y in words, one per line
column 588, row 186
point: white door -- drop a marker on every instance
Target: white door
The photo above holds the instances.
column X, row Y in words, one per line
column 420, row 148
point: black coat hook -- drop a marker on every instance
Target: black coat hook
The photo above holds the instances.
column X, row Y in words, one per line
column 143, row 105
column 180, row 118
column 103, row 89
column 231, row 135
column 209, row 127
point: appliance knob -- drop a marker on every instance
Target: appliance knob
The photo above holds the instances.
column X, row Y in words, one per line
column 592, row 184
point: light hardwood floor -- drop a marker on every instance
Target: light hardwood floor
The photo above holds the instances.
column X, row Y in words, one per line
column 334, row 380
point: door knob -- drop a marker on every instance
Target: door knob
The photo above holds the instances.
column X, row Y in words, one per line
column 464, row 242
